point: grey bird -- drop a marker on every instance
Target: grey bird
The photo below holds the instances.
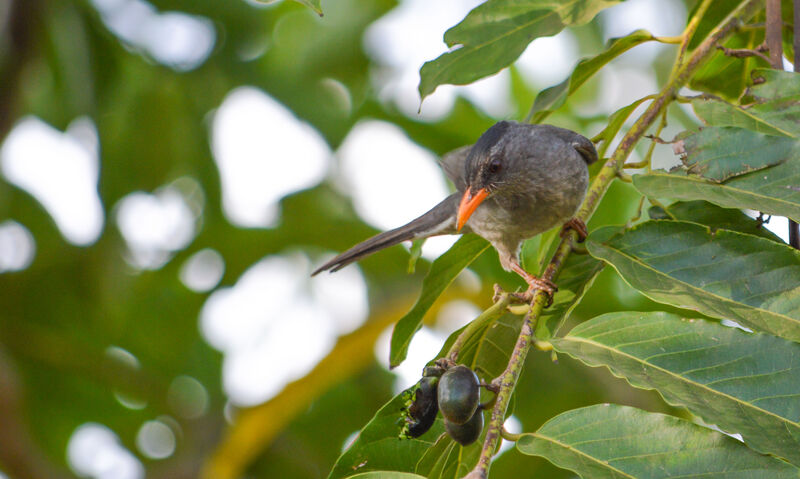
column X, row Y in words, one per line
column 515, row 182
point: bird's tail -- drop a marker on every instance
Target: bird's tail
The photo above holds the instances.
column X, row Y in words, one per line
column 439, row 220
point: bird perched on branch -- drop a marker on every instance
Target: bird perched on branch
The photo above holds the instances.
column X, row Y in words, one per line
column 515, row 182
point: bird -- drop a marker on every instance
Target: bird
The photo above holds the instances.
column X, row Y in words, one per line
column 516, row 181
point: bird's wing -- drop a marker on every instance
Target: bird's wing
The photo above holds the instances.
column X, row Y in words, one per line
column 453, row 164
column 580, row 143
column 440, row 220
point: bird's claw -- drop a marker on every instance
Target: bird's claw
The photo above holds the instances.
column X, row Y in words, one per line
column 534, row 283
column 526, row 297
column 498, row 293
column 578, row 225
column 548, row 287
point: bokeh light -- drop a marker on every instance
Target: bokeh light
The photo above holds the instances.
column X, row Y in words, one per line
column 391, row 179
column 175, row 39
column 17, row 246
column 276, row 323
column 155, row 440
column 423, row 347
column 127, row 359
column 155, row 225
column 94, row 451
column 203, row 270
column 60, row 170
column 263, row 153
column 187, row 397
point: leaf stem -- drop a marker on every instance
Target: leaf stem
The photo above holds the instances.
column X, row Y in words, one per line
column 681, row 72
column 491, row 314
column 670, row 40
column 638, row 214
column 635, row 165
column 509, row 436
column 687, row 35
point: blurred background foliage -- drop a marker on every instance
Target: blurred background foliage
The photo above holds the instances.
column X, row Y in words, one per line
column 109, row 363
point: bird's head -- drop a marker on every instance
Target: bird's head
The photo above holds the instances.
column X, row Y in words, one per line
column 507, row 154
column 486, row 170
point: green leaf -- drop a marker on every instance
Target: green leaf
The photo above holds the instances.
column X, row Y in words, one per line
column 487, row 353
column 719, row 153
column 774, row 110
column 774, row 190
column 575, row 278
column 386, row 475
column 443, row 271
column 714, row 216
column 747, row 383
column 495, row 33
column 435, row 456
column 711, row 18
column 449, row 459
column 378, row 447
column 723, row 274
column 552, row 98
column 313, row 5
column 615, row 122
column 414, row 254
column 722, row 75
column 621, row 442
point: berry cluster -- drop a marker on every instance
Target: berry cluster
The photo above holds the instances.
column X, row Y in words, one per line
column 455, row 391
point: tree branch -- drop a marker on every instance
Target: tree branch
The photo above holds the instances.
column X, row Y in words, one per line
column 508, row 380
column 20, row 455
column 774, row 43
column 22, row 21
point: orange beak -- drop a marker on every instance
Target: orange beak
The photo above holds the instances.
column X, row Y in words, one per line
column 468, row 204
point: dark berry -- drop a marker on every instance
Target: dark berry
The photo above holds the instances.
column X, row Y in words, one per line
column 458, row 394
column 422, row 412
column 467, row 433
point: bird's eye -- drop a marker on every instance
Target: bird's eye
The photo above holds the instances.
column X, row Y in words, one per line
column 495, row 165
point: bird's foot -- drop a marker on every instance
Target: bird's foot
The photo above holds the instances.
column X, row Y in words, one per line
column 516, row 297
column 498, row 293
column 578, row 225
column 543, row 284
column 534, row 283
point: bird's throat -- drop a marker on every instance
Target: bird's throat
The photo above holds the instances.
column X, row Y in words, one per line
column 469, row 202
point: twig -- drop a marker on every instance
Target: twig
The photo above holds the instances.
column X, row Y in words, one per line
column 670, row 40
column 687, row 35
column 794, row 229
column 772, row 34
column 635, row 165
column 774, row 43
column 796, row 37
column 508, row 380
column 491, row 314
column 638, row 214
column 20, row 455
column 509, row 436
column 745, row 52
column 24, row 18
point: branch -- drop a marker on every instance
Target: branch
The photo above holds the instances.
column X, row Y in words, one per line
column 746, row 52
column 23, row 19
column 772, row 35
column 794, row 229
column 681, row 73
column 20, row 455
column 774, row 44
column 489, row 316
